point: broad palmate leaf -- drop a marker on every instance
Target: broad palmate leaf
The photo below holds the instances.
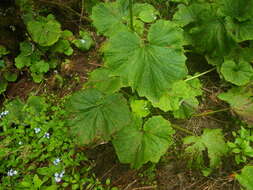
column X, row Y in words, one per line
column 240, row 31
column 100, row 79
column 95, row 115
column 148, row 66
column 237, row 73
column 108, row 18
column 140, row 108
column 137, row 145
column 241, row 10
column 181, row 91
column 246, row 177
column 204, row 29
column 45, row 31
column 213, row 141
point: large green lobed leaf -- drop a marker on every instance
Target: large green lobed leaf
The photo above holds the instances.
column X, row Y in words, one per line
column 111, row 18
column 46, row 31
column 95, row 115
column 100, row 79
column 241, row 10
column 204, row 28
column 237, row 73
column 150, row 67
column 240, row 31
column 137, row 146
column 181, row 91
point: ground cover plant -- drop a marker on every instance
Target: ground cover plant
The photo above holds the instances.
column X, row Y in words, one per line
column 162, row 73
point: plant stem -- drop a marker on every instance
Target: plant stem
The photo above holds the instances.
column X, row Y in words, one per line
column 210, row 112
column 82, row 11
column 182, row 129
column 131, row 14
column 197, row 76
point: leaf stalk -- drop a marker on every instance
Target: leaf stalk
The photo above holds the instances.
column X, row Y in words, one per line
column 182, row 129
column 210, row 112
column 201, row 74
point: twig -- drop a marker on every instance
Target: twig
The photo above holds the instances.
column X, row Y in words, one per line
column 147, row 187
column 82, row 11
column 108, row 171
column 129, row 185
column 95, row 64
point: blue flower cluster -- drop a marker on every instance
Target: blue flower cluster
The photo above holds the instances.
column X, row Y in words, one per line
column 57, row 161
column 12, row 172
column 4, row 113
column 58, row 176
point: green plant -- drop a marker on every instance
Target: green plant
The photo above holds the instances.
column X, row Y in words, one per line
column 222, row 27
column 134, row 98
column 45, row 31
column 36, row 150
column 211, row 140
column 84, row 42
column 153, row 66
column 40, row 52
column 6, row 75
column 241, row 101
column 242, row 146
column 50, row 39
column 96, row 115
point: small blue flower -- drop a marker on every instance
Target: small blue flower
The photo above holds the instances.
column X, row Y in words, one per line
column 37, row 130
column 46, row 135
column 58, row 176
column 4, row 113
column 57, row 161
column 12, row 172
column 61, row 174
